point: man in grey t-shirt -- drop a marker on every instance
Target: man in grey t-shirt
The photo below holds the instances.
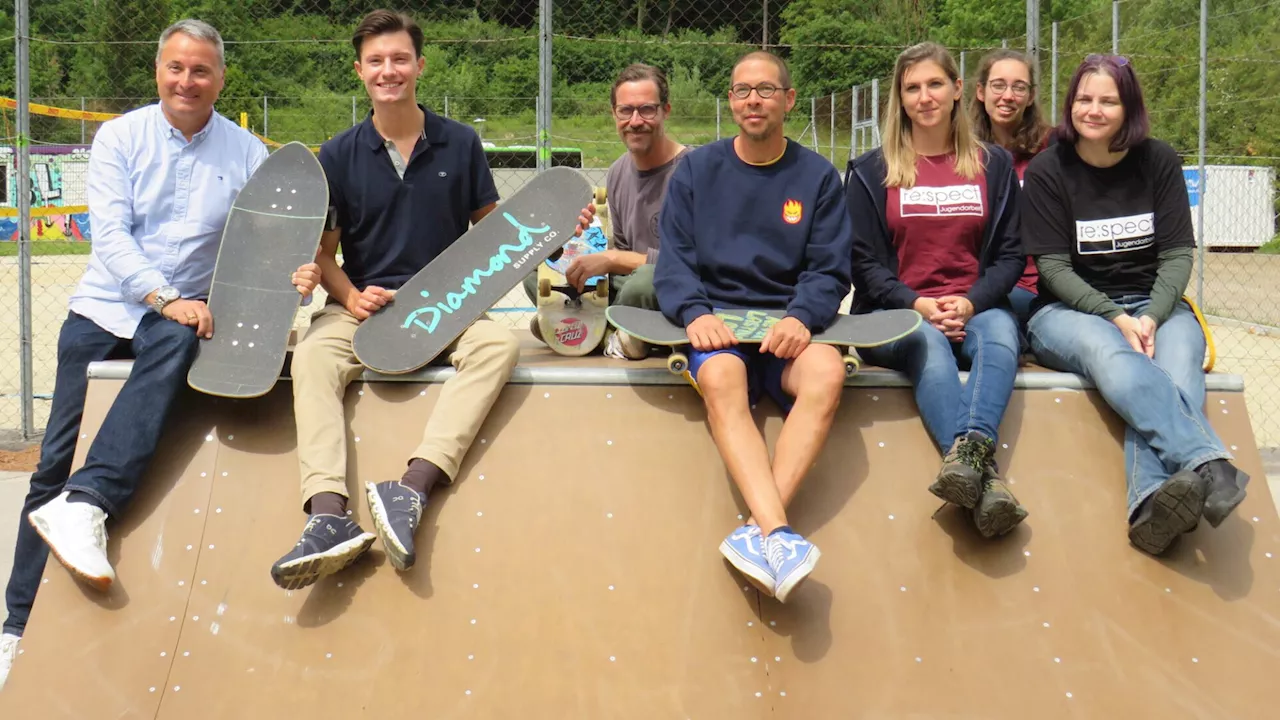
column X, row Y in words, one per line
column 636, row 185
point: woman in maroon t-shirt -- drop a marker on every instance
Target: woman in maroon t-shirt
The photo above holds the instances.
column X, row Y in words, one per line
column 935, row 229
column 1005, row 112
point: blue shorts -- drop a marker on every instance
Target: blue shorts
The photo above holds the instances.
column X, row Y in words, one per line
column 764, row 372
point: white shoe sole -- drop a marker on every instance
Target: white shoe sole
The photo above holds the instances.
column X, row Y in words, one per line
column 752, row 572
column 307, row 570
column 101, row 582
column 397, row 553
column 788, row 584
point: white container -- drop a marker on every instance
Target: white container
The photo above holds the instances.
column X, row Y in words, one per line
column 1239, row 204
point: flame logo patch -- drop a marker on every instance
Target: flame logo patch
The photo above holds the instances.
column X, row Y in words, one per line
column 792, row 211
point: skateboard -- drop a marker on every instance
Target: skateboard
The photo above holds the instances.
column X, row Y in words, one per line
column 273, row 228
column 572, row 322
column 444, row 298
column 750, row 326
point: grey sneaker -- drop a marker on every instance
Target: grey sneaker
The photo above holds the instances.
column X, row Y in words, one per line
column 1226, row 489
column 397, row 510
column 960, row 479
column 997, row 511
column 329, row 543
column 1169, row 512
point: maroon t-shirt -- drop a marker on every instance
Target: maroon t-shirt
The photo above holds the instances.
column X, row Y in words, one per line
column 937, row 227
column 1029, row 276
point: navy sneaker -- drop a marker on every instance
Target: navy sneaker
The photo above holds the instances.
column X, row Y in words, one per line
column 329, row 543
column 397, row 510
column 744, row 549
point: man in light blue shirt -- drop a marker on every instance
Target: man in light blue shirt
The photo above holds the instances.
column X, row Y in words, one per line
column 161, row 182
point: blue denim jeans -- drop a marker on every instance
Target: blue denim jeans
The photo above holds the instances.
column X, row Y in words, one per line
column 933, row 363
column 1020, row 299
column 122, row 449
column 1160, row 400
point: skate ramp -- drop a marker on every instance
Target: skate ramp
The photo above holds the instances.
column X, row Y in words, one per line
column 572, row 572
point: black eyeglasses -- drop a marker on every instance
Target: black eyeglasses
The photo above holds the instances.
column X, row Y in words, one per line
column 742, row 91
column 648, row 111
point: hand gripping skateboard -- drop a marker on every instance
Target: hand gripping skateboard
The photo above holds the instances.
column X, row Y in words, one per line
column 443, row 299
column 750, row 326
column 273, row 228
column 572, row 322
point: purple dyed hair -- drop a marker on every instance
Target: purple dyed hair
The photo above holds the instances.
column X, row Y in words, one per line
column 1136, row 124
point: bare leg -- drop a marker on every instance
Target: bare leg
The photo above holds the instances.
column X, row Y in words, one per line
column 815, row 380
column 723, row 380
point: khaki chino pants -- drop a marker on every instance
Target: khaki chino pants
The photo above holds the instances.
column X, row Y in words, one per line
column 324, row 364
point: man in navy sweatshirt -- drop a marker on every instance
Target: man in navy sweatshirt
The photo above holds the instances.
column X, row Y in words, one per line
column 757, row 221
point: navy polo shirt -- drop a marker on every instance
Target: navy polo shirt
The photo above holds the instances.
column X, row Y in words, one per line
column 392, row 227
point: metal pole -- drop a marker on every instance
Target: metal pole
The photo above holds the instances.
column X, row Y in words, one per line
column 82, row 133
column 962, row 61
column 354, row 116
column 764, row 31
column 853, row 121
column 1115, row 27
column 265, row 131
column 717, row 118
column 1204, row 97
column 833, row 128
column 875, row 110
column 1053, row 82
column 23, row 81
column 813, row 119
column 1033, row 38
column 1004, row 42
column 446, row 106
column 544, row 85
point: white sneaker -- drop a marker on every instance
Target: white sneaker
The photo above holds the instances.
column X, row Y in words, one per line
column 76, row 533
column 622, row 346
column 8, row 653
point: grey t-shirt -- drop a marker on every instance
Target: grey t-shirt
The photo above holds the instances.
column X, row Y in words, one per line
column 635, row 198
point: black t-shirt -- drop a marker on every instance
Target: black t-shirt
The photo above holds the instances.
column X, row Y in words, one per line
column 1113, row 221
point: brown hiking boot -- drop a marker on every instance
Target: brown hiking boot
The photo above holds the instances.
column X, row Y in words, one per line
column 960, row 479
column 997, row 511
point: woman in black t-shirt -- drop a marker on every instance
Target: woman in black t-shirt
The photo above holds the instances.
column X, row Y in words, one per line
column 1105, row 214
column 935, row 229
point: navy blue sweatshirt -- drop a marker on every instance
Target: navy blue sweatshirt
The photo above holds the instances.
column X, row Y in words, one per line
column 875, row 261
column 734, row 235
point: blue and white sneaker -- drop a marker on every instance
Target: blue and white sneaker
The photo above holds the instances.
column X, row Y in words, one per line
column 792, row 558
column 397, row 510
column 744, row 549
column 329, row 543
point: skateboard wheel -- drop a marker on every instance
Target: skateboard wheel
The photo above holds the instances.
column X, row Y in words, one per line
column 677, row 363
column 601, row 197
column 544, row 287
column 851, row 366
column 602, row 290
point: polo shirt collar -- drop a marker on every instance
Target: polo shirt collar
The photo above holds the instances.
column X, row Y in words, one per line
column 432, row 130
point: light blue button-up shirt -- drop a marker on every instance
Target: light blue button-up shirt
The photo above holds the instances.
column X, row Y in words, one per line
column 157, row 205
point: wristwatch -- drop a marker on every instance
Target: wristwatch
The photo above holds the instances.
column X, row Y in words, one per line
column 164, row 296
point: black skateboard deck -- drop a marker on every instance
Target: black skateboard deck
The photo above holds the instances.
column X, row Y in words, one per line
column 273, row 228
column 750, row 326
column 440, row 302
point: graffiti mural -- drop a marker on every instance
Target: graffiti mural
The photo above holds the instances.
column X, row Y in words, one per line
column 58, row 201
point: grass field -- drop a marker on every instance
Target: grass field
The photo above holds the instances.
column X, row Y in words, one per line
column 47, row 247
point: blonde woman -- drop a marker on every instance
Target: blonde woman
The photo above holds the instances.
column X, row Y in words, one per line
column 935, row 229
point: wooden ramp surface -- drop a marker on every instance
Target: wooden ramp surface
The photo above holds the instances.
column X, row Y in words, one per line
column 573, row 572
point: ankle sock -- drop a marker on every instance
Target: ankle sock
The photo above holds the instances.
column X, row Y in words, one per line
column 422, row 475
column 328, row 503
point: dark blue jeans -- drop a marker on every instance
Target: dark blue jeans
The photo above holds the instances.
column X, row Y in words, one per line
column 949, row 409
column 162, row 350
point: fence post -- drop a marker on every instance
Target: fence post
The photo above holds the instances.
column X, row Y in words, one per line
column 265, row 131
column 963, row 76
column 544, row 85
column 853, row 122
column 1033, row 38
column 1204, row 97
column 1115, row 27
column 717, row 118
column 1004, row 42
column 354, row 117
column 875, row 111
column 813, row 119
column 82, row 130
column 23, row 87
column 833, row 128
column 1053, row 82
column 446, row 106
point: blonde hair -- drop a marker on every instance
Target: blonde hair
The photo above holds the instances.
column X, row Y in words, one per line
column 899, row 153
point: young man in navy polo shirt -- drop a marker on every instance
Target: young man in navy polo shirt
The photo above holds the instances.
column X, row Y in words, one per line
column 404, row 185
column 756, row 221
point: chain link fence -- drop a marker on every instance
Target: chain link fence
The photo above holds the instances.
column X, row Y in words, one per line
column 290, row 77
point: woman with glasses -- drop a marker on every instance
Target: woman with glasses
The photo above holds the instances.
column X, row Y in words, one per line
column 1005, row 112
column 1106, row 217
column 935, row 229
